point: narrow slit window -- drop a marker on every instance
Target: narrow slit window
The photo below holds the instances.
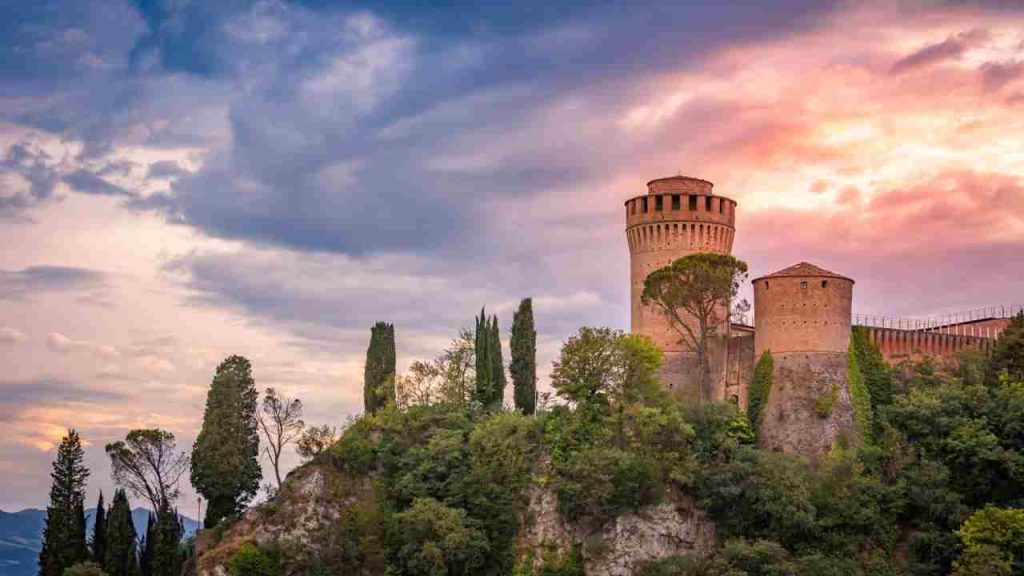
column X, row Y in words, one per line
column 824, row 283
column 657, row 204
column 675, row 202
column 693, row 203
column 644, row 200
column 707, row 203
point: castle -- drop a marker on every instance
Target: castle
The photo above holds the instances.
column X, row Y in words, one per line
column 803, row 316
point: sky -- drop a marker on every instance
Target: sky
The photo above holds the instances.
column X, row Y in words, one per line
column 183, row 180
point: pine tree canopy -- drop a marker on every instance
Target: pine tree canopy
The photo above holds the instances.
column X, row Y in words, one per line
column 64, row 542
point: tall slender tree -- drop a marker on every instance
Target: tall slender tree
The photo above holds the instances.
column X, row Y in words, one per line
column 490, row 371
column 119, row 558
column 498, row 369
column 147, row 547
column 379, row 373
column 524, row 358
column 167, row 557
column 225, row 458
column 64, row 541
column 99, row 532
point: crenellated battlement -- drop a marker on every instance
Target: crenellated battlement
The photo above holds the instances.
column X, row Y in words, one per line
column 680, row 207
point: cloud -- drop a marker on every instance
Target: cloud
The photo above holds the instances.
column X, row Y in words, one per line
column 996, row 75
column 949, row 49
column 86, row 182
column 10, row 335
column 165, row 169
column 17, row 284
column 57, row 342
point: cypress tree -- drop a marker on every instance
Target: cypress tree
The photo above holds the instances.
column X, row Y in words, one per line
column 147, row 554
column 99, row 532
column 225, row 457
column 120, row 558
column 166, row 545
column 498, row 369
column 64, row 541
column 484, row 364
column 524, row 358
column 379, row 373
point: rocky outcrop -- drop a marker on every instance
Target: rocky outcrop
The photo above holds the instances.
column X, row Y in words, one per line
column 615, row 548
column 315, row 497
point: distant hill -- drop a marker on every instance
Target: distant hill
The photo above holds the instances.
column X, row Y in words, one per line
column 21, row 536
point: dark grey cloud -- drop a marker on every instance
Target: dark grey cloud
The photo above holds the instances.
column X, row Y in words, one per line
column 165, row 169
column 88, row 182
column 949, row 49
column 996, row 75
column 38, row 279
column 36, row 167
column 15, row 395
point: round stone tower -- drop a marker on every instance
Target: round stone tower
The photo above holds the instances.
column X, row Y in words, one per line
column 802, row 317
column 679, row 215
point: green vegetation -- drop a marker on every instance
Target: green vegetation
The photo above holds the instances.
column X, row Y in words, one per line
column 1008, row 353
column 98, row 544
column 826, row 401
column 760, row 387
column 148, row 464
column 120, row 557
column 64, row 543
column 694, row 294
column 250, row 560
column 993, row 540
column 860, row 395
column 490, row 370
column 85, row 569
column 225, row 465
column 379, row 373
column 523, row 367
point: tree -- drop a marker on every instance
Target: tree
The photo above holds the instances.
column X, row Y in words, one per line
column 85, row 569
column 448, row 379
column 1008, row 352
column 147, row 547
column 993, row 540
column 490, row 370
column 431, row 538
column 524, row 358
column 281, row 422
column 601, row 368
column 119, row 558
column 64, row 543
column 379, row 374
column 167, row 557
column 694, row 294
column 225, row 457
column 99, row 532
column 315, row 440
column 760, row 387
column 149, row 465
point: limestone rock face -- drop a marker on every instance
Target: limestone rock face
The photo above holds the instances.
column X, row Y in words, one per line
column 618, row 547
column 672, row 527
column 808, row 406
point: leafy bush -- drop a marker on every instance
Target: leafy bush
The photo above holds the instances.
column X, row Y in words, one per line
column 250, row 560
column 601, row 483
column 431, row 538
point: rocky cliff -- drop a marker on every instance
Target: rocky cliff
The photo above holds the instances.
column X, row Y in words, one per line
column 312, row 521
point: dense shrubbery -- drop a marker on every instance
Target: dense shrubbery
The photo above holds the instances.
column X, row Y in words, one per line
column 451, row 483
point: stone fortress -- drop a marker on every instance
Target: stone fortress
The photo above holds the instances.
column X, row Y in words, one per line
column 802, row 314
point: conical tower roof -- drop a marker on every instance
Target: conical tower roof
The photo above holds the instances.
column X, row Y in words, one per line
column 804, row 270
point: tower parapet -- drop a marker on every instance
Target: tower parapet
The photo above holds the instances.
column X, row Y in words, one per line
column 678, row 215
